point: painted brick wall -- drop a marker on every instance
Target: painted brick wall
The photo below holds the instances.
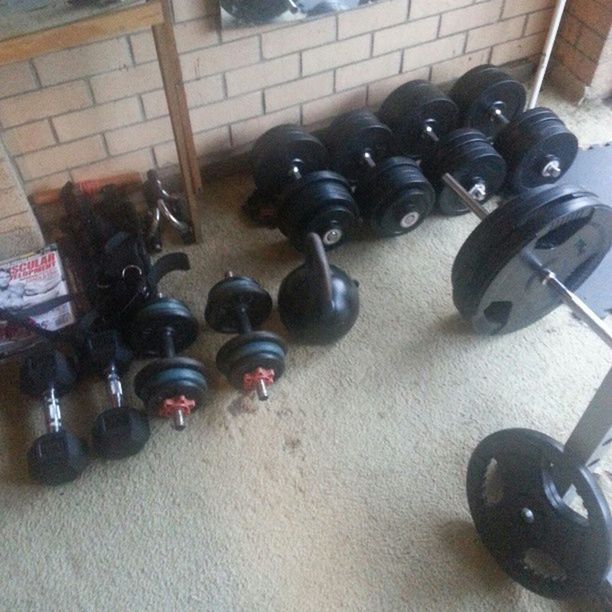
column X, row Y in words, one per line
column 582, row 58
column 99, row 109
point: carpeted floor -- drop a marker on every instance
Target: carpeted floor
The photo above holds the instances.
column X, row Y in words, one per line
column 345, row 490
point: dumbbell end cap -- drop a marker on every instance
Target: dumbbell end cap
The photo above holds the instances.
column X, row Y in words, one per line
column 119, row 433
column 57, row 458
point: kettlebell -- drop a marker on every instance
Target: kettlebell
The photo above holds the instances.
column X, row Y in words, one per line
column 318, row 303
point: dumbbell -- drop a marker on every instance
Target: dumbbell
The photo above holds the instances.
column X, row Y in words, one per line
column 425, row 122
column 317, row 302
column 119, row 431
column 291, row 165
column 170, row 387
column 536, row 144
column 391, row 192
column 58, row 456
column 253, row 360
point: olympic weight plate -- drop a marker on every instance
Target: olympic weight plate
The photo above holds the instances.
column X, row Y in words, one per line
column 352, row 135
column 322, row 203
column 233, row 298
column 566, row 229
column 411, row 109
column 516, row 483
column 483, row 89
column 394, row 196
column 468, row 156
column 280, row 149
column 247, row 352
column 530, row 144
column 168, row 378
column 150, row 322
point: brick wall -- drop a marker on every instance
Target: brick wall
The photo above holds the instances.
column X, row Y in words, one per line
column 100, row 108
column 582, row 58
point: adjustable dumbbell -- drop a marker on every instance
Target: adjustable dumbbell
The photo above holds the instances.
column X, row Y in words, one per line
column 391, row 192
column 253, row 360
column 58, row 456
column 170, row 387
column 425, row 122
column 291, row 165
column 119, row 431
column 317, row 302
column 536, row 144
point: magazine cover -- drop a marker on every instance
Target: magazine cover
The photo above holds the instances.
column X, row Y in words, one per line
column 27, row 282
column 244, row 13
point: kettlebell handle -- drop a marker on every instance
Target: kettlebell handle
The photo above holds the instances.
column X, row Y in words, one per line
column 319, row 272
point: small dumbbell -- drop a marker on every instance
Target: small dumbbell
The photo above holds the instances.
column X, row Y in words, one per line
column 391, row 191
column 536, row 145
column 253, row 360
column 119, row 431
column 58, row 456
column 291, row 165
column 318, row 303
column 424, row 120
column 170, row 387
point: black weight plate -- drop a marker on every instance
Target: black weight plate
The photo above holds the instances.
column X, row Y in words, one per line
column 481, row 89
column 353, row 134
column 468, row 156
column 151, row 320
column 168, row 378
column 252, row 12
column 516, row 482
column 278, row 150
column 528, row 144
column 244, row 354
column 322, row 203
column 394, row 197
column 569, row 231
column 411, row 108
column 231, row 295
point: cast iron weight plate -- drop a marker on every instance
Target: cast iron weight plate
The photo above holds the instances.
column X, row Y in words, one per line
column 567, row 229
column 483, row 88
column 411, row 108
column 515, row 486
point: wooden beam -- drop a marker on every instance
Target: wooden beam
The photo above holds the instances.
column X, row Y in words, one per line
column 172, row 76
column 81, row 32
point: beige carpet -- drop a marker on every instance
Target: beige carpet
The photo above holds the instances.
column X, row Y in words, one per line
column 345, row 490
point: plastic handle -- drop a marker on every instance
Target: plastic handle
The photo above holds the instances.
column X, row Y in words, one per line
column 319, row 272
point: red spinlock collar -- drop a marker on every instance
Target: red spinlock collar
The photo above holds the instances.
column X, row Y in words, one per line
column 172, row 404
column 250, row 379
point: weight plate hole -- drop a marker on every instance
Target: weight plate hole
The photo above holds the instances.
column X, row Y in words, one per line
column 562, row 234
column 493, row 489
column 542, row 564
column 498, row 313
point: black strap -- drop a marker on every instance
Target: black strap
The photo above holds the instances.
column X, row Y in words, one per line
column 166, row 264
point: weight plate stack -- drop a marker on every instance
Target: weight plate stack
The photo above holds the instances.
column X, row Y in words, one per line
column 470, row 158
column 565, row 228
column 394, row 196
column 531, row 143
column 353, row 134
column 411, row 108
column 321, row 202
column 516, row 484
column 278, row 150
column 482, row 89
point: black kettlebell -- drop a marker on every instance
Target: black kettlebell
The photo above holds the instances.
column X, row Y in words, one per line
column 318, row 303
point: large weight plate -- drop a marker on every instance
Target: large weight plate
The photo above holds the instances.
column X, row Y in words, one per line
column 536, row 138
column 516, row 483
column 411, row 108
column 278, row 150
column 568, row 230
column 353, row 134
column 480, row 90
column 150, row 321
column 229, row 296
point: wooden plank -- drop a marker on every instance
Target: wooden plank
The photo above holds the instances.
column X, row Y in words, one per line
column 172, row 76
column 81, row 32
